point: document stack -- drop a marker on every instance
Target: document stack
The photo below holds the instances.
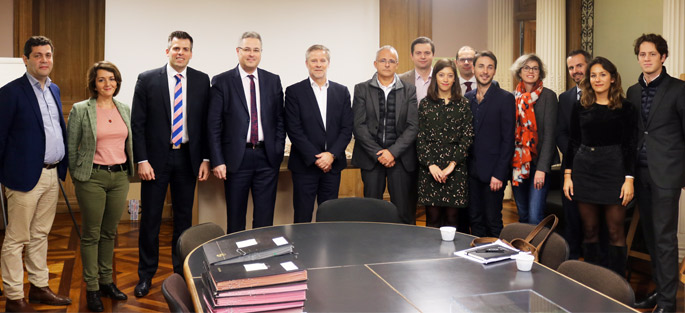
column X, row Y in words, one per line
column 256, row 274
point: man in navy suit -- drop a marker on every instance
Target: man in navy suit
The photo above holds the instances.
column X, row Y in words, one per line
column 318, row 119
column 169, row 144
column 493, row 147
column 32, row 159
column 386, row 123
column 576, row 62
column 247, row 135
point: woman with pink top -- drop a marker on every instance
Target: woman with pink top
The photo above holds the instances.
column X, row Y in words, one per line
column 100, row 162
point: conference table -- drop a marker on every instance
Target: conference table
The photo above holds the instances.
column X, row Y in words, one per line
column 382, row 267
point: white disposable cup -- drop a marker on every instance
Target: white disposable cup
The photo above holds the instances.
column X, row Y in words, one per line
column 448, row 233
column 524, row 261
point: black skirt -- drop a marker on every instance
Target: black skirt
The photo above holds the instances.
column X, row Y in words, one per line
column 598, row 174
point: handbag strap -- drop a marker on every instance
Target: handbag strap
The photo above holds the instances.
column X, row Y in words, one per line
column 539, row 228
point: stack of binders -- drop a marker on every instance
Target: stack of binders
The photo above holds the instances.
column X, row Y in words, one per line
column 253, row 274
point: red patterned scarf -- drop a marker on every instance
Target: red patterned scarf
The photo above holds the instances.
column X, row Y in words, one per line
column 526, row 131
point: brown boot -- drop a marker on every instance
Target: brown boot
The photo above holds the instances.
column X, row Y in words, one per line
column 18, row 306
column 45, row 296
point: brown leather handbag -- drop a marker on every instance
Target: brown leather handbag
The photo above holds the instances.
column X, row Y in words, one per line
column 525, row 245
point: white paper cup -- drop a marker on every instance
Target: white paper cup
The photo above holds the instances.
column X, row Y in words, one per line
column 524, row 261
column 448, row 233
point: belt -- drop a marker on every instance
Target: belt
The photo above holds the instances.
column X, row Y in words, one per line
column 111, row 168
column 259, row 145
column 181, row 146
column 50, row 166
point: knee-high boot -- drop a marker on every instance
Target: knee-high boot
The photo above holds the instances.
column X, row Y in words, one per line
column 591, row 252
column 618, row 256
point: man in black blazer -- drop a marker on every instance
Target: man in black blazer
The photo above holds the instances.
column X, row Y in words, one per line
column 318, row 119
column 385, row 128
column 661, row 165
column 493, row 147
column 169, row 144
column 33, row 157
column 576, row 62
column 247, row 135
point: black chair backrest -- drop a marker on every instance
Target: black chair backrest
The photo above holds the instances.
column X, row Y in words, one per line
column 196, row 235
column 176, row 294
column 358, row 210
column 555, row 250
column 599, row 278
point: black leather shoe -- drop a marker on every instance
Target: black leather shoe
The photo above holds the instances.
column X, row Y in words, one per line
column 142, row 288
column 93, row 301
column 647, row 303
column 111, row 290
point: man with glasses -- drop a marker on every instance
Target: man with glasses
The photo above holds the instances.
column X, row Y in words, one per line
column 464, row 62
column 247, row 135
column 385, row 129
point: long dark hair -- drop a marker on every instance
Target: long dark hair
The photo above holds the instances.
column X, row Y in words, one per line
column 433, row 93
column 588, row 97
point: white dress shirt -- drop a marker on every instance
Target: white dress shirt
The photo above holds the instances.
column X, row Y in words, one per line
column 321, row 94
column 421, row 85
column 171, row 79
column 387, row 89
column 246, row 89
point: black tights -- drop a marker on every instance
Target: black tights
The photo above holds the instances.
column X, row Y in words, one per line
column 615, row 218
column 437, row 216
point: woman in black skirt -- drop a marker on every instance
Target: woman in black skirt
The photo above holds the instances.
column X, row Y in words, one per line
column 600, row 161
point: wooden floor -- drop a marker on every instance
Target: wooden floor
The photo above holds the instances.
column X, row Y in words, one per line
column 66, row 270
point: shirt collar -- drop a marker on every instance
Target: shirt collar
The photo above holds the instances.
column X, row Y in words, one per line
column 473, row 80
column 417, row 76
column 394, row 80
column 315, row 85
column 244, row 74
column 34, row 82
column 171, row 72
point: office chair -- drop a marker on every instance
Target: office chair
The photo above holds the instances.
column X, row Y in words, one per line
column 176, row 294
column 358, row 210
column 195, row 236
column 554, row 252
column 599, row 278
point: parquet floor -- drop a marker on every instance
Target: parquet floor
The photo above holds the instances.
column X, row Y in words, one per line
column 66, row 270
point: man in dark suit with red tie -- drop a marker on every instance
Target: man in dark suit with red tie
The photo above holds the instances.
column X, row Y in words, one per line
column 247, row 135
column 318, row 119
column 169, row 144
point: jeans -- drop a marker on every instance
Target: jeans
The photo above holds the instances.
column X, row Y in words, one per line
column 530, row 202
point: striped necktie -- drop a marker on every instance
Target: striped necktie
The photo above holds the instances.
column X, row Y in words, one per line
column 177, row 125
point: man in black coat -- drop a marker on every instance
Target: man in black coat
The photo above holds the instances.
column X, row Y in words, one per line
column 661, row 165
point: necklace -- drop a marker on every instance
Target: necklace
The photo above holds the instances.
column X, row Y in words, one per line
column 108, row 112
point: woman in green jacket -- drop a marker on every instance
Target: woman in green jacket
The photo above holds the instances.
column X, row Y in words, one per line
column 100, row 162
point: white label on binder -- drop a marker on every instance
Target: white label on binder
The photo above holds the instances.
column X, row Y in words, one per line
column 255, row 267
column 279, row 241
column 246, row 243
column 289, row 266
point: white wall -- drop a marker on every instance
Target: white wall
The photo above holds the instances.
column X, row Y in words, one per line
column 135, row 39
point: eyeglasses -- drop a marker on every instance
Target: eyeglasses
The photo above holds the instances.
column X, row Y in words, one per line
column 528, row 68
column 465, row 60
column 388, row 61
column 249, row 50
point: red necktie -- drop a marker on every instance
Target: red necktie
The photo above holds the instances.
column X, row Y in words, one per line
column 468, row 86
column 254, row 119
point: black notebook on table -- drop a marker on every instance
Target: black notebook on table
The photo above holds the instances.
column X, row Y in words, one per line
column 249, row 246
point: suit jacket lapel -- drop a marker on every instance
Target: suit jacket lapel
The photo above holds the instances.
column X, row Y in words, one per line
column 656, row 102
column 237, row 82
column 91, row 111
column 31, row 95
column 485, row 106
column 315, row 103
column 164, row 89
column 636, row 100
column 263, row 100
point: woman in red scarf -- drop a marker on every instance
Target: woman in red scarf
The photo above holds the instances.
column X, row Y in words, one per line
column 535, row 144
